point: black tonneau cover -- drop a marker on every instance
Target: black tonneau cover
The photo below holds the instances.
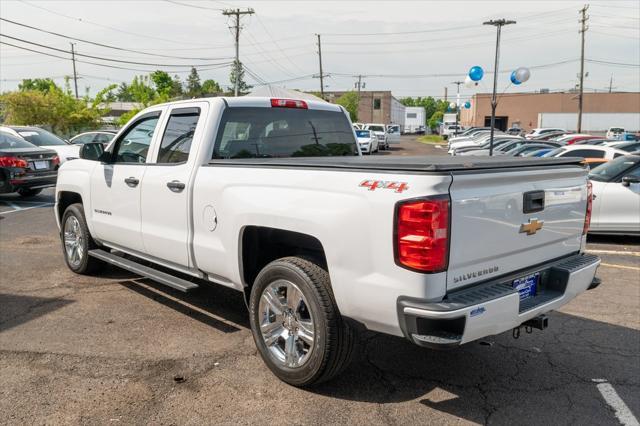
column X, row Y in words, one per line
column 402, row 164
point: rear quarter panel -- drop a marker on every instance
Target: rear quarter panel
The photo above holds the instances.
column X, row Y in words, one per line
column 353, row 223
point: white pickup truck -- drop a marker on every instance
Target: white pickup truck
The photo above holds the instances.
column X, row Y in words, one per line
column 271, row 197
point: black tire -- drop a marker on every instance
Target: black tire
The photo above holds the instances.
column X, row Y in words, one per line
column 87, row 264
column 333, row 338
column 26, row 192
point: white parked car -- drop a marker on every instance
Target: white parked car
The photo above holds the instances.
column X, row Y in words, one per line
column 393, row 133
column 616, row 196
column 271, row 198
column 587, row 152
column 451, row 130
column 358, row 126
column 540, row 131
column 43, row 139
column 380, row 130
column 367, row 141
column 478, row 142
column 102, row 136
column 617, row 133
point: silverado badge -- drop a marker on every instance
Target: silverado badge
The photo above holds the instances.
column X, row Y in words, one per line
column 532, row 227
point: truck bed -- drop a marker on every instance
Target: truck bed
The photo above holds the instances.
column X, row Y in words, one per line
column 413, row 164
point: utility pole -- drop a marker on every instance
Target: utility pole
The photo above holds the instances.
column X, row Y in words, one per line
column 457, row 83
column 75, row 74
column 498, row 23
column 321, row 74
column 583, row 29
column 238, row 68
column 360, row 85
column 610, row 83
column 445, row 93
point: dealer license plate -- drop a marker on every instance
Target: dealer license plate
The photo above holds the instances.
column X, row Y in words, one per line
column 41, row 165
column 527, row 286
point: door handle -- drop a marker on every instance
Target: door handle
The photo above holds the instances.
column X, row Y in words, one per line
column 132, row 182
column 175, row 186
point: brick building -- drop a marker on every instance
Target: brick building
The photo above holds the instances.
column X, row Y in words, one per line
column 525, row 109
column 375, row 106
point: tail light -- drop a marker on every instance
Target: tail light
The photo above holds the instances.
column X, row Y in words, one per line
column 587, row 216
column 55, row 160
column 13, row 162
column 422, row 234
column 288, row 103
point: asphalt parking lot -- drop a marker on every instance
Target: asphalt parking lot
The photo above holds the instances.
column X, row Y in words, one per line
column 116, row 349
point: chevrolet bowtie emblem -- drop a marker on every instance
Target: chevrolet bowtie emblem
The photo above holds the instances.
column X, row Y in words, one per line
column 532, row 227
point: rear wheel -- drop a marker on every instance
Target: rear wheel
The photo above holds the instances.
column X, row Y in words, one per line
column 25, row 192
column 296, row 324
column 76, row 241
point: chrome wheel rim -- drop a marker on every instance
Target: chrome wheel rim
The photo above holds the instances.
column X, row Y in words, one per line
column 73, row 241
column 286, row 324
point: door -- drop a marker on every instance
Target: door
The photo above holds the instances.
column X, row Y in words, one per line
column 620, row 205
column 115, row 186
column 165, row 187
column 393, row 131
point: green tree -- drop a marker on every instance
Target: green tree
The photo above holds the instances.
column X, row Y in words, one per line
column 435, row 120
column 350, row 102
column 141, row 90
column 237, row 73
column 123, row 94
column 211, row 87
column 176, row 87
column 162, row 82
column 39, row 84
column 194, row 88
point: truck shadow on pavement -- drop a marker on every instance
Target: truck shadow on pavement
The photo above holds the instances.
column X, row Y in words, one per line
column 17, row 309
column 546, row 377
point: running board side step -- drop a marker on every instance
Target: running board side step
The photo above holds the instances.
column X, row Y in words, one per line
column 145, row 271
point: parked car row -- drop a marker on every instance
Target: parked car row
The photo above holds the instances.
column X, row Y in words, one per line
column 30, row 157
column 372, row 137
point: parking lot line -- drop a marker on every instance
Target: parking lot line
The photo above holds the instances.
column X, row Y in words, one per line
column 21, row 209
column 616, row 252
column 611, row 265
column 611, row 397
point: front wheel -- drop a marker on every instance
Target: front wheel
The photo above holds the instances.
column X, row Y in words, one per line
column 296, row 324
column 76, row 241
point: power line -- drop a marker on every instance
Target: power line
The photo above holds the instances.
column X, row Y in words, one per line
column 106, row 45
column 199, row 68
column 100, row 57
column 276, row 44
column 193, row 5
column 85, row 21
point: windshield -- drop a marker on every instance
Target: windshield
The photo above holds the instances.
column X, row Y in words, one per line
column 40, row 137
column 376, row 128
column 8, row 141
column 283, row 132
column 363, row 133
column 607, row 171
column 616, row 129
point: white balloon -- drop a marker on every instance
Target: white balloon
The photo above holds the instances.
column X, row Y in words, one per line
column 452, row 105
column 523, row 74
column 468, row 83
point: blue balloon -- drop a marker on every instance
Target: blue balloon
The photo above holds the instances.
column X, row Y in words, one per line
column 514, row 79
column 467, row 105
column 476, row 73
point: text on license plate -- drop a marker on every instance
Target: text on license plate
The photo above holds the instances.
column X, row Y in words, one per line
column 527, row 286
column 41, row 165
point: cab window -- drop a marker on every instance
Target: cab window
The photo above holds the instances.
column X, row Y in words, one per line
column 177, row 138
column 133, row 145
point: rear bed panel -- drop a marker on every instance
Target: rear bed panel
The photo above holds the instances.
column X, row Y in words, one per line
column 487, row 215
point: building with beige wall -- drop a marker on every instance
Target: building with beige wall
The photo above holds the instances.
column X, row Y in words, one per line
column 375, row 106
column 524, row 109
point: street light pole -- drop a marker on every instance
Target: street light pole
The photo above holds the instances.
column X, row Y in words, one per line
column 498, row 23
column 457, row 83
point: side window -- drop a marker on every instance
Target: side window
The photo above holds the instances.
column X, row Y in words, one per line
column 177, row 138
column 586, row 153
column 103, row 137
column 133, row 145
column 81, row 140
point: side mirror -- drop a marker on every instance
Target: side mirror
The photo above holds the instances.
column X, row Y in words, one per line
column 93, row 151
column 628, row 180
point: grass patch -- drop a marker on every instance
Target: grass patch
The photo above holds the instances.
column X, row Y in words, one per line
column 431, row 139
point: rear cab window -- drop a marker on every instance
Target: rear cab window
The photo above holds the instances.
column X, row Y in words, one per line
column 257, row 132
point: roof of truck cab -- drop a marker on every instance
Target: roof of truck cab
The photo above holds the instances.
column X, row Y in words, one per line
column 254, row 101
column 413, row 164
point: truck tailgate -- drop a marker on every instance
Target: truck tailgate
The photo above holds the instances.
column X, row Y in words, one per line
column 498, row 224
